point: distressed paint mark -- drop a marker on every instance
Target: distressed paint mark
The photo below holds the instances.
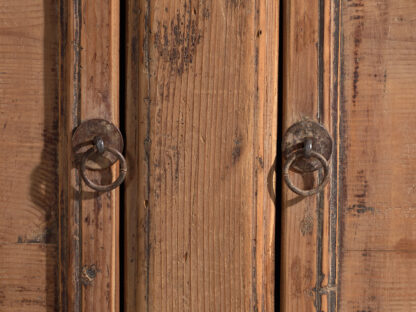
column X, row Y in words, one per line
column 44, row 237
column 359, row 209
column 357, row 43
column 176, row 41
column 236, row 152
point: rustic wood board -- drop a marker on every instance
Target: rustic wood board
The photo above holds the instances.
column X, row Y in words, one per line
column 377, row 135
column 99, row 87
column 89, row 88
column 27, row 280
column 202, row 130
column 301, row 265
column 28, row 155
column 364, row 242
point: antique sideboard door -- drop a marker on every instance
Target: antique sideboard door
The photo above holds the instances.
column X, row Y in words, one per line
column 201, row 134
column 59, row 244
column 191, row 88
column 351, row 66
column 267, row 149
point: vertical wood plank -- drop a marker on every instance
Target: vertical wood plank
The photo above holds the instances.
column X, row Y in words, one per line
column 69, row 196
column 377, row 183
column 28, row 155
column 99, row 89
column 302, row 98
column 89, row 221
column 202, row 127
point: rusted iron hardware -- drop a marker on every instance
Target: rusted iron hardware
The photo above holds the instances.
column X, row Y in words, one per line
column 97, row 145
column 307, row 147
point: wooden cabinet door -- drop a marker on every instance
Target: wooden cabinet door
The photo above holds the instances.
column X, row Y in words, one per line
column 350, row 65
column 199, row 114
column 59, row 63
column 203, row 124
column 201, row 132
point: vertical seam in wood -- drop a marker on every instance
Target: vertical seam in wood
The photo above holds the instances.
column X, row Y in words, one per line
column 76, row 112
column 319, row 198
column 333, row 202
column 255, row 182
column 341, row 153
column 147, row 144
column 63, row 200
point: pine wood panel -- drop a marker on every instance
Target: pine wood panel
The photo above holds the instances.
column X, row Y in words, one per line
column 377, row 196
column 88, row 220
column 302, row 97
column 99, row 74
column 28, row 155
column 27, row 274
column 202, row 130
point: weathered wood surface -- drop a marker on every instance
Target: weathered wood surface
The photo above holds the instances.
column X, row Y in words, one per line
column 28, row 155
column 201, row 138
column 89, row 220
column 377, row 143
column 359, row 56
column 301, row 267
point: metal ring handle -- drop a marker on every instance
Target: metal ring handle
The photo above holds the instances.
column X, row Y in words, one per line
column 291, row 159
column 116, row 183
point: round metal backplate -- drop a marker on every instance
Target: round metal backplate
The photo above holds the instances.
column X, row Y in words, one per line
column 295, row 137
column 82, row 140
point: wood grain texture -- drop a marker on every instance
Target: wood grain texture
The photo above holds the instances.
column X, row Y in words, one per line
column 27, row 272
column 28, row 155
column 89, row 270
column 301, row 267
column 99, row 87
column 377, row 194
column 202, row 128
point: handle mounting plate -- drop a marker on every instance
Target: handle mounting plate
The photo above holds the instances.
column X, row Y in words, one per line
column 294, row 139
column 83, row 139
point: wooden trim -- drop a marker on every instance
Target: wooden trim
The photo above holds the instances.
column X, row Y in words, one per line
column 304, row 96
column 310, row 90
column 89, row 88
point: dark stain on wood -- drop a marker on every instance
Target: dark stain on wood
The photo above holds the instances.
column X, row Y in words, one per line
column 206, row 13
column 237, row 147
column 45, row 237
column 176, row 41
column 357, row 43
column 88, row 274
column 358, row 209
column 362, row 194
column 261, row 162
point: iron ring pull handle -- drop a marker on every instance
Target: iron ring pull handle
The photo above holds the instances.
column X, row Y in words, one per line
column 100, row 148
column 292, row 158
column 307, row 147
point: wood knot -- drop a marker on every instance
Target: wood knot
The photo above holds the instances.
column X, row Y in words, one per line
column 88, row 274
